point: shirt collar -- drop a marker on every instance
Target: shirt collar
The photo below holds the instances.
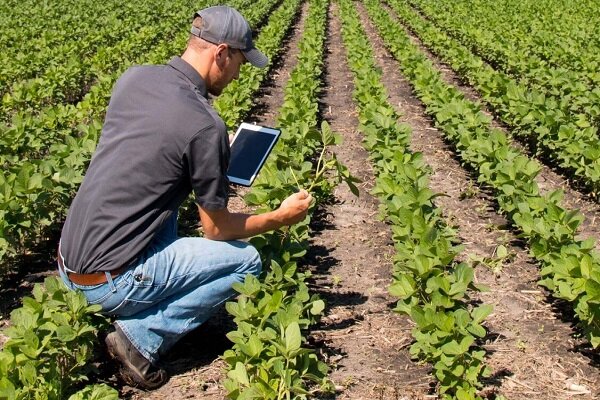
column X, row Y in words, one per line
column 185, row 68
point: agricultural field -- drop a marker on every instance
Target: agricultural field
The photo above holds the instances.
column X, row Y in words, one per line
column 454, row 153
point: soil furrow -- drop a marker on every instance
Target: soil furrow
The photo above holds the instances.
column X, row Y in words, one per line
column 549, row 178
column 194, row 363
column 365, row 343
column 526, row 342
column 270, row 97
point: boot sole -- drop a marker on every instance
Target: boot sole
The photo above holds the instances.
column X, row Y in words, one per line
column 127, row 370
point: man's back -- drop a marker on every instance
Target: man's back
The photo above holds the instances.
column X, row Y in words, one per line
column 160, row 141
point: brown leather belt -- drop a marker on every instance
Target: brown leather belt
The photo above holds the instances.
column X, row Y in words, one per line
column 92, row 279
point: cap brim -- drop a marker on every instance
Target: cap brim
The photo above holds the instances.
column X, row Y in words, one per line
column 255, row 57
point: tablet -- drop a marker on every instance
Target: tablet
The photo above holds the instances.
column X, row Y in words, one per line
column 249, row 149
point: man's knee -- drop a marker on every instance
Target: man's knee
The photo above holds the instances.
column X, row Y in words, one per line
column 248, row 258
column 254, row 261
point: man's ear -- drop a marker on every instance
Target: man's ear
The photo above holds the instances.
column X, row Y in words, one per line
column 221, row 52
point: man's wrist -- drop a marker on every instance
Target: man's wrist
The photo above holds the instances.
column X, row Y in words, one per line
column 278, row 218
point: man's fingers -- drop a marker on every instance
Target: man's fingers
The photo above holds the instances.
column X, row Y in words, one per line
column 305, row 198
column 302, row 194
column 308, row 199
column 300, row 200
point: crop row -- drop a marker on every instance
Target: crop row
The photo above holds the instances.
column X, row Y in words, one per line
column 576, row 93
column 44, row 108
column 552, row 30
column 433, row 288
column 31, row 135
column 53, row 53
column 51, row 35
column 50, row 346
column 268, row 359
column 35, row 191
column 534, row 117
column 570, row 268
column 67, row 82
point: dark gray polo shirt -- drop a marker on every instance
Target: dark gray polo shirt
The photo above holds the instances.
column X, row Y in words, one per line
column 160, row 140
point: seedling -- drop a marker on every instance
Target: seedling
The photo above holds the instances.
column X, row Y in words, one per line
column 336, row 280
column 496, row 262
column 469, row 192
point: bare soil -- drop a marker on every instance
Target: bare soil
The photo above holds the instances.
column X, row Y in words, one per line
column 532, row 347
column 199, row 373
column 365, row 343
column 550, row 177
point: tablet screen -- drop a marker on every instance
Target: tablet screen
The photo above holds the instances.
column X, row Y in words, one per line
column 249, row 149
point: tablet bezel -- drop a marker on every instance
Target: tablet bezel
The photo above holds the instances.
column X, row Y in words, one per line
column 257, row 128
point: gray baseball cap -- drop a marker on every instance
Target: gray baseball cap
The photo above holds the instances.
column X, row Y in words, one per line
column 223, row 24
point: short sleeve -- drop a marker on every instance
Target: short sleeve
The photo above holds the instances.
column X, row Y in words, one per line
column 207, row 157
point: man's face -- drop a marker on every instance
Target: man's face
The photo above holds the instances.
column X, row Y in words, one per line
column 228, row 62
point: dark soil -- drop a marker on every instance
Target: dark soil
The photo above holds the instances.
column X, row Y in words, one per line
column 531, row 349
column 533, row 346
column 366, row 343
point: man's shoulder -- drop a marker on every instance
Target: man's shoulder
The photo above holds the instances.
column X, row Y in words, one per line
column 142, row 69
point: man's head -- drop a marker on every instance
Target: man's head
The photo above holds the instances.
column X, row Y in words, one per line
column 224, row 36
column 222, row 24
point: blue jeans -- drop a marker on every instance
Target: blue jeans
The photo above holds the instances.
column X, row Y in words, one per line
column 172, row 288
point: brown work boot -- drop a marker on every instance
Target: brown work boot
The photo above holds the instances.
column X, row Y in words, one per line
column 135, row 369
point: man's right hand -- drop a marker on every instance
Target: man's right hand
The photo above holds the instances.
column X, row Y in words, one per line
column 224, row 225
column 295, row 207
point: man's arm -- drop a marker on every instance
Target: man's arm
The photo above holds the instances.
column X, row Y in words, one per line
column 225, row 225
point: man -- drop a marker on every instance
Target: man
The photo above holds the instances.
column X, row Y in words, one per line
column 160, row 141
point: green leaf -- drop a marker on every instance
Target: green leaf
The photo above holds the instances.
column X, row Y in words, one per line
column 501, row 251
column 28, row 373
column 96, row 392
column 592, row 288
column 402, row 287
column 480, row 313
column 250, row 287
column 32, row 304
column 464, row 274
column 476, row 330
column 462, row 394
column 586, row 266
column 76, row 301
column 458, row 370
column 327, row 135
column 65, row 333
column 38, row 293
column 317, row 307
column 293, row 337
column 53, row 285
column 255, row 346
column 595, row 340
column 452, row 348
column 7, row 389
column 239, row 374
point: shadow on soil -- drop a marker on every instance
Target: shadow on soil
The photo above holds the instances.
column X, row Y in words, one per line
column 319, row 259
column 563, row 310
column 493, row 383
column 21, row 273
column 197, row 349
column 201, row 346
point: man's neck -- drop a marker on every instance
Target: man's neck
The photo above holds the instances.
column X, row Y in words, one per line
column 200, row 60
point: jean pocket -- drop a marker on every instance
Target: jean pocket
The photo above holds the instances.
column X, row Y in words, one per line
column 144, row 274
